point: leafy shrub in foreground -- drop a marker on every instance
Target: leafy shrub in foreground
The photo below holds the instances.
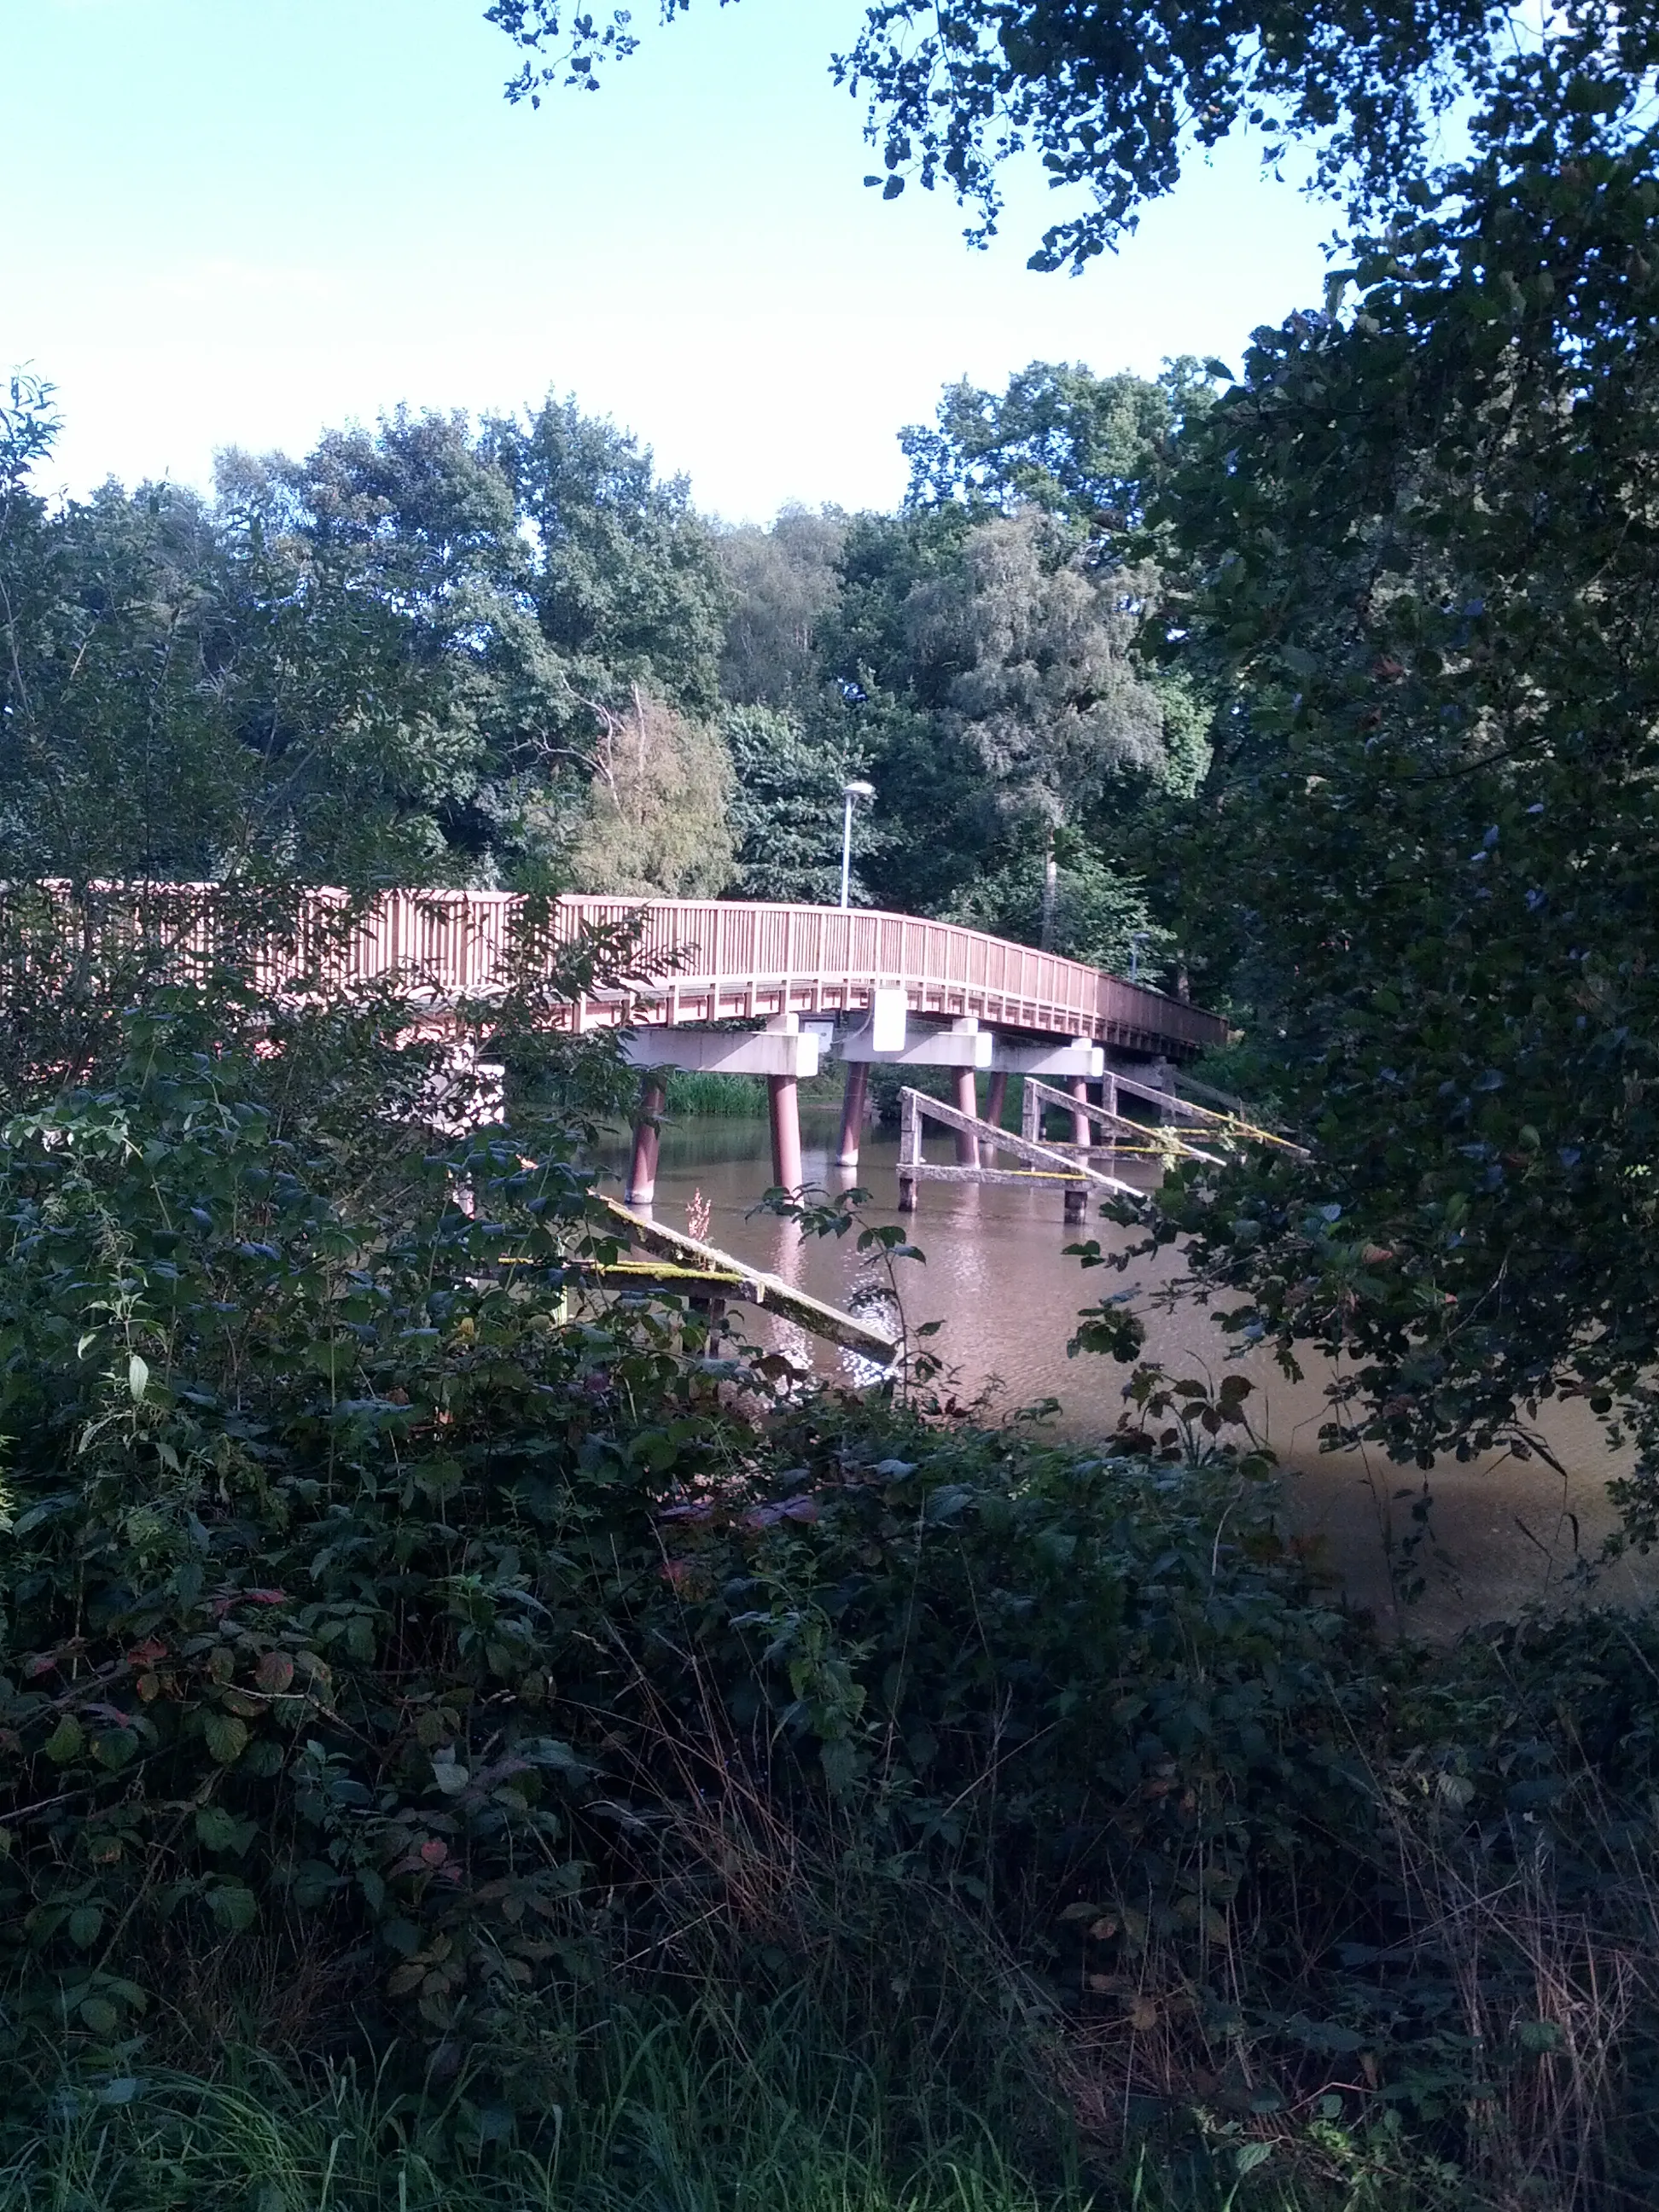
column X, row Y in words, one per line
column 345, row 1575
column 370, row 1618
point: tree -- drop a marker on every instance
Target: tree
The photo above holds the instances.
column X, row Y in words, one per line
column 1113, row 99
column 655, row 824
column 1426, row 540
column 391, row 661
column 172, row 710
column 782, row 582
column 786, row 812
column 1059, row 438
column 1061, row 892
column 1036, row 640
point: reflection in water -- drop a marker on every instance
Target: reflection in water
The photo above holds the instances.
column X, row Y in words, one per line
column 995, row 1274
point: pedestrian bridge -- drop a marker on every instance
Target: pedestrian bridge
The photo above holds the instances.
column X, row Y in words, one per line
column 716, row 960
column 865, row 987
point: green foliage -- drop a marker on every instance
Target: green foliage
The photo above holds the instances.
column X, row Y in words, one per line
column 655, row 820
column 401, row 660
column 734, row 2104
column 787, row 809
column 1059, row 438
column 1098, row 914
column 783, row 580
column 1427, row 553
column 700, row 1092
column 387, row 1618
column 643, row 2103
column 1114, row 106
column 987, row 663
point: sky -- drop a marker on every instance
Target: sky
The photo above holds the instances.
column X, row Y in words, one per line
column 239, row 222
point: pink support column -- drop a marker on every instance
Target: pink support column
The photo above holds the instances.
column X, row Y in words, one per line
column 851, row 1113
column 647, row 1139
column 996, row 1097
column 966, row 1103
column 1080, row 1121
column 785, row 1132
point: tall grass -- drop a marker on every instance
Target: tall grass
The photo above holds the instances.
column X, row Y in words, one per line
column 694, row 1093
column 653, row 2113
column 697, row 1092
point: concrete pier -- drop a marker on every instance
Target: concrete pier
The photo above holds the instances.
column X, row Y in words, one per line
column 852, row 1100
column 968, row 1103
column 784, row 1099
column 647, row 1142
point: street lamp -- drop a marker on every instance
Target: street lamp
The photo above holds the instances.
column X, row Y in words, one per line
column 850, row 792
column 1137, row 938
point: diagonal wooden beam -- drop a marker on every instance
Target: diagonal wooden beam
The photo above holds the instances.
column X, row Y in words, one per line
column 753, row 1285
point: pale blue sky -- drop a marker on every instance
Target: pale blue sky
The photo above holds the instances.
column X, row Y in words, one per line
column 237, row 221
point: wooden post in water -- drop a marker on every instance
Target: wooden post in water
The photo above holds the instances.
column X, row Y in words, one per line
column 851, row 1113
column 966, row 1103
column 785, row 1101
column 647, row 1139
column 996, row 1095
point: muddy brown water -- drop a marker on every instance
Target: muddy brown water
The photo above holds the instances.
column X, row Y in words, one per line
column 1506, row 1534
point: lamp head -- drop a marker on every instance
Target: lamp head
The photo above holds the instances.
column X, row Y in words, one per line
column 859, row 790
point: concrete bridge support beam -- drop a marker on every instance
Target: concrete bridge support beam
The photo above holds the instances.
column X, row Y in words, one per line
column 648, row 1140
column 996, row 1095
column 962, row 1045
column 852, row 1100
column 1051, row 1063
column 771, row 1051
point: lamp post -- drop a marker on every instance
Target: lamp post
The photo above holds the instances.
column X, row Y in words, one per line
column 849, row 791
column 1137, row 938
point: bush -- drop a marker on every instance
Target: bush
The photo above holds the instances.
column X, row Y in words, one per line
column 396, row 1644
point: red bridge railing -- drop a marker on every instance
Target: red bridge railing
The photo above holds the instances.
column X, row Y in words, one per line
column 699, row 960
column 718, row 960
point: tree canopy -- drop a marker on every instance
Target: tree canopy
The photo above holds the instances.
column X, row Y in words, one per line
column 1114, row 101
column 1425, row 539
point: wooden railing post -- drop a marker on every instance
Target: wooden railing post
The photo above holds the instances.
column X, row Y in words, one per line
column 1080, row 1121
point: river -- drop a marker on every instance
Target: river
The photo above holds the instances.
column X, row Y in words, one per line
column 1507, row 1533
